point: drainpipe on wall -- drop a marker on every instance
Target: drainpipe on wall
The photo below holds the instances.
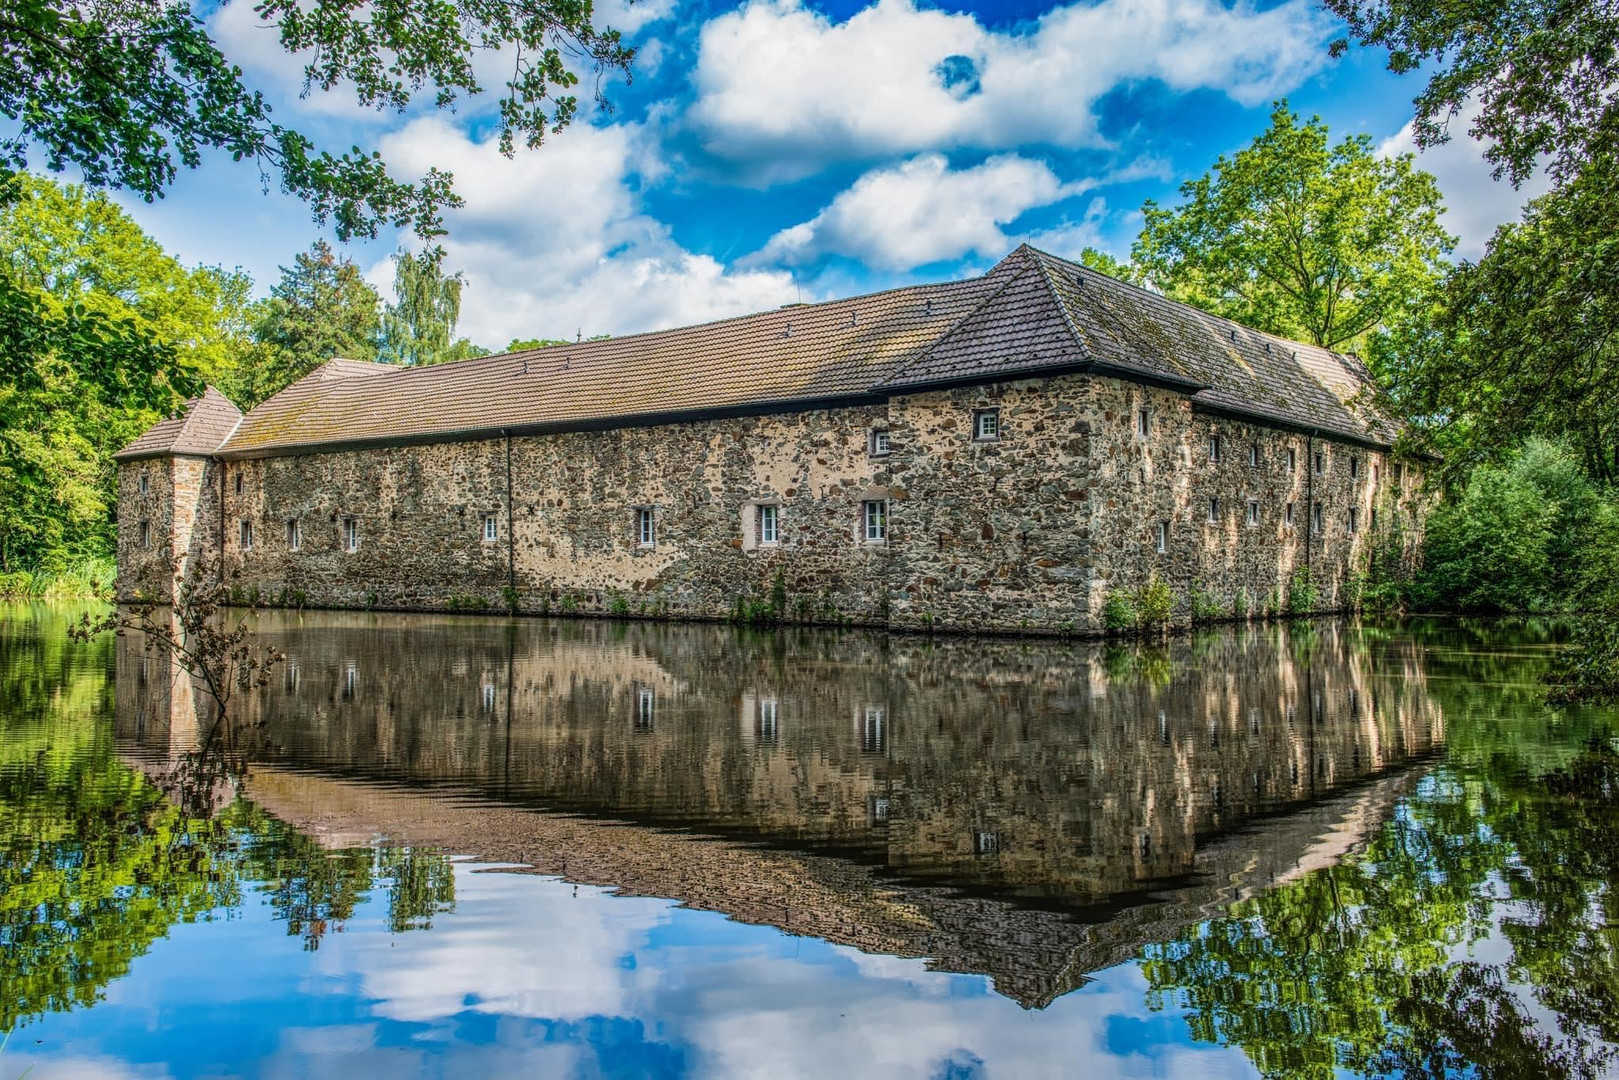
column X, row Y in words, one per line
column 511, row 521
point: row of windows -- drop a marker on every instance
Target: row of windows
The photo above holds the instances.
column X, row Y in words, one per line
column 1255, row 455
column 1317, row 519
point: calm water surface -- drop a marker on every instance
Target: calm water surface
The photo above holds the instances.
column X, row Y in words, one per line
column 470, row 847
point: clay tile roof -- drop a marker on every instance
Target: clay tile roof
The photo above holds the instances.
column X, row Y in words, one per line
column 200, row 428
column 1030, row 314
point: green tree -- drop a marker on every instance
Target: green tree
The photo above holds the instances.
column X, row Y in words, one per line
column 321, row 308
column 1543, row 74
column 525, row 344
column 419, row 326
column 1299, row 237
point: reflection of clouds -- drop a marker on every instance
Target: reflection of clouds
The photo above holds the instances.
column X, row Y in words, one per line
column 72, row 1068
column 515, row 946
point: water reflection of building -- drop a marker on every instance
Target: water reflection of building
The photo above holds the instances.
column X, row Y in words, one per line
column 1044, row 785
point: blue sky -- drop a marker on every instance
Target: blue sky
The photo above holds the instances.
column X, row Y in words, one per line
column 780, row 150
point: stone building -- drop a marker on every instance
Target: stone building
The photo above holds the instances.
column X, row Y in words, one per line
column 997, row 453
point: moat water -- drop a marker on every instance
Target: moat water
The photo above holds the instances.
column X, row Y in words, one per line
column 471, row 847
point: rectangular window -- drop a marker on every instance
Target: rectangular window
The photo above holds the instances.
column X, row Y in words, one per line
column 146, row 534
column 1354, row 467
column 1253, row 513
column 351, row 534
column 1375, row 472
column 873, row 731
column 645, row 528
column 645, row 708
column 1143, row 423
column 766, row 729
column 874, row 519
column 1374, row 519
column 1163, row 537
column 1316, row 525
column 1354, row 519
column 238, row 483
column 1287, row 516
column 1399, row 472
column 769, row 521
column 1214, row 448
column 1214, row 511
column 986, row 843
column 245, row 531
column 879, row 442
column 1320, row 462
column 491, row 528
column 1292, row 460
column 1253, row 453
column 145, row 484
column 986, row 424
column 295, row 535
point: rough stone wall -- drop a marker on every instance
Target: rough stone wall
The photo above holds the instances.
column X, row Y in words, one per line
column 180, row 511
column 1031, row 530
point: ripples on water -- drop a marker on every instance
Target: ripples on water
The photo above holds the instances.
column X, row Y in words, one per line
column 1291, row 851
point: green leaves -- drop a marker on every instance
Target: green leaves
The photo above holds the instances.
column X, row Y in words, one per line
column 419, row 326
column 322, row 307
column 1291, row 235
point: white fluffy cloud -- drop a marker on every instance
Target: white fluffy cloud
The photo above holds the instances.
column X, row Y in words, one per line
column 921, row 211
column 1475, row 203
column 554, row 241
column 783, row 89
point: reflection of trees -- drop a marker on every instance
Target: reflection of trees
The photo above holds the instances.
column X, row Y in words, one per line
column 96, row 862
column 1366, row 965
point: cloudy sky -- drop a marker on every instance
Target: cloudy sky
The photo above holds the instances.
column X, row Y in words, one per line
column 780, row 150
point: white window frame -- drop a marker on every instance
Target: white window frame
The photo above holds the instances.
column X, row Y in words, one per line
column 146, row 484
column 1253, row 512
column 1214, row 448
column 1318, row 523
column 1143, row 424
column 874, row 521
column 244, row 534
column 769, row 524
column 295, row 535
column 879, row 443
column 646, row 708
column 1214, row 509
column 646, row 527
column 1253, row 453
column 490, row 524
column 351, row 534
column 986, row 425
column 769, row 719
column 1162, row 537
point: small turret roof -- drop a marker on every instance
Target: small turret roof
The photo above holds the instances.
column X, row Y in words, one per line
column 199, row 428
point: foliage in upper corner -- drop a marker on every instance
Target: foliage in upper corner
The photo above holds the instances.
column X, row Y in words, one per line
column 127, row 92
column 1298, row 237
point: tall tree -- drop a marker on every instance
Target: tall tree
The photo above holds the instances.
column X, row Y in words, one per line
column 419, row 326
column 321, row 308
column 1543, row 74
column 1299, row 237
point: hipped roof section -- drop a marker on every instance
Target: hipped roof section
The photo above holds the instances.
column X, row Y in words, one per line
column 1031, row 314
column 198, row 429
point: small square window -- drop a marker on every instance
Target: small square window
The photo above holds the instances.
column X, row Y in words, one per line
column 491, row 528
column 351, row 534
column 245, row 532
column 1292, row 460
column 645, row 527
column 1143, row 423
column 874, row 521
column 1214, row 511
column 879, row 442
column 146, row 484
column 1253, row 512
column 295, row 535
column 1253, row 453
column 1163, row 537
column 986, row 843
column 986, row 425
column 769, row 524
column 1287, row 516
column 238, row 483
column 146, row 534
column 1214, row 448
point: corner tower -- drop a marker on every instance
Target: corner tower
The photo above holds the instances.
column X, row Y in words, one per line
column 168, row 496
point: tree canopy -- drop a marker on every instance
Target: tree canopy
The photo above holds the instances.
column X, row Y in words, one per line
column 321, row 308
column 418, row 327
column 1299, row 237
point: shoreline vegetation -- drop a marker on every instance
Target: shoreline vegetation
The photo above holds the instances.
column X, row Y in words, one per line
column 90, row 578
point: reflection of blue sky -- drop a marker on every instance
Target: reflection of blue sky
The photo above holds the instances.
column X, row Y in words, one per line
column 530, row 977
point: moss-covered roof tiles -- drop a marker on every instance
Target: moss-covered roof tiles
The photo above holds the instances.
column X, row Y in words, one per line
column 1031, row 313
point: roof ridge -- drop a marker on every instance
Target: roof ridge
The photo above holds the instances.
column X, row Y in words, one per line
column 1062, row 308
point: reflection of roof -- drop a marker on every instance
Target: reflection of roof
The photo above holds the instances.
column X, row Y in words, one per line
column 1031, row 314
column 200, row 427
